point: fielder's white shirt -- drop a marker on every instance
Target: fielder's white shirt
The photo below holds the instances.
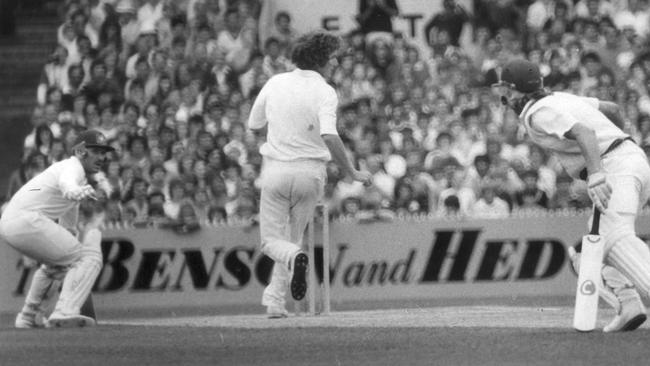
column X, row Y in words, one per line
column 299, row 106
column 547, row 120
column 45, row 192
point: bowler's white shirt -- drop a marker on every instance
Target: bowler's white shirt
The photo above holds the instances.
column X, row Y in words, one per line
column 547, row 120
column 44, row 193
column 299, row 106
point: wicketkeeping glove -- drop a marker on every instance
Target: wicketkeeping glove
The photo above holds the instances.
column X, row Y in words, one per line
column 80, row 193
column 599, row 190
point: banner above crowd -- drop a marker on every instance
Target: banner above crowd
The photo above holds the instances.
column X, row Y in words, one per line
column 339, row 16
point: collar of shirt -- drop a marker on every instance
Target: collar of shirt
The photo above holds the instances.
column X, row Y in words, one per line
column 308, row 73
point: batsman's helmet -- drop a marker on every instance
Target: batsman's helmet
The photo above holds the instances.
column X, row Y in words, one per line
column 521, row 75
column 93, row 138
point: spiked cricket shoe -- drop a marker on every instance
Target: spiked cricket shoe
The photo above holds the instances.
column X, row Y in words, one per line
column 298, row 271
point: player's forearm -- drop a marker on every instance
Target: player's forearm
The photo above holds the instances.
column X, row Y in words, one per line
column 337, row 149
column 586, row 139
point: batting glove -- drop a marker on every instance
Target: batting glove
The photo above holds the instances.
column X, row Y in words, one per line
column 80, row 193
column 599, row 190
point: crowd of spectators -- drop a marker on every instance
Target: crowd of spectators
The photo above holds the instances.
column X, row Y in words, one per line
column 170, row 83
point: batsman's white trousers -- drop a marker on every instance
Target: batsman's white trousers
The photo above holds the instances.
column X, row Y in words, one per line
column 40, row 238
column 290, row 193
column 628, row 173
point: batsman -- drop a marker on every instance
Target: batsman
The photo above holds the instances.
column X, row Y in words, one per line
column 586, row 136
column 40, row 221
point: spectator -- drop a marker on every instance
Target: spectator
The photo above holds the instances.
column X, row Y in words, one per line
column 137, row 202
column 54, row 73
column 175, row 199
column 274, row 62
column 488, row 204
column 451, row 20
column 187, row 221
column 531, row 196
column 375, row 18
column 283, row 32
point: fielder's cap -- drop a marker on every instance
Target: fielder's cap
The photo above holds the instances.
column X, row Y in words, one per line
column 93, row 138
column 521, row 75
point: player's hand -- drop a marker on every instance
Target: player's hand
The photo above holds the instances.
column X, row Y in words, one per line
column 599, row 190
column 575, row 260
column 81, row 193
column 362, row 176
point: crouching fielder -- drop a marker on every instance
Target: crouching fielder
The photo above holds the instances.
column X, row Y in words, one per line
column 584, row 133
column 40, row 221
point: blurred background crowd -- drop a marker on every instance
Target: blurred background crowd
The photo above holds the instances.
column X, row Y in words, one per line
column 171, row 83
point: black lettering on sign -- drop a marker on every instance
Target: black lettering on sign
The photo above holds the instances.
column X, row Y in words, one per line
column 493, row 257
column 195, row 264
column 529, row 267
column 378, row 271
column 463, row 255
column 338, row 262
column 437, row 256
column 353, row 275
column 152, row 263
column 114, row 274
column 263, row 270
column 440, row 253
column 402, row 267
column 237, row 268
column 330, row 23
column 412, row 19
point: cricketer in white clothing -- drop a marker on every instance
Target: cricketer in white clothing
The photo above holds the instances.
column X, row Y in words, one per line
column 40, row 221
column 298, row 109
column 585, row 135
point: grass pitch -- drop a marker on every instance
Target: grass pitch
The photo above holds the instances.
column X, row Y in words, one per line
column 512, row 332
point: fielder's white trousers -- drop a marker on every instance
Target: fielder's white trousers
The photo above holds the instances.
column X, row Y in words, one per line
column 40, row 238
column 290, row 193
column 61, row 253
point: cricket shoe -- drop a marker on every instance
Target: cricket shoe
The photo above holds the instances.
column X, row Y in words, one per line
column 632, row 315
column 60, row 320
column 276, row 312
column 27, row 321
column 298, row 271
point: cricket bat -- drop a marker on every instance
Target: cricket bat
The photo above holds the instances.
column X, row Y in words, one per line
column 585, row 312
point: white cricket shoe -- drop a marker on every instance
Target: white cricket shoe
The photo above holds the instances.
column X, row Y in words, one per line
column 632, row 315
column 60, row 320
column 276, row 312
column 27, row 321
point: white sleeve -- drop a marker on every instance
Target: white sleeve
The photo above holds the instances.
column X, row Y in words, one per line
column 257, row 116
column 552, row 122
column 327, row 112
column 72, row 178
column 591, row 101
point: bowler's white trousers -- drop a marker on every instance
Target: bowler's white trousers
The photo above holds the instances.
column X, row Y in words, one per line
column 290, row 193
